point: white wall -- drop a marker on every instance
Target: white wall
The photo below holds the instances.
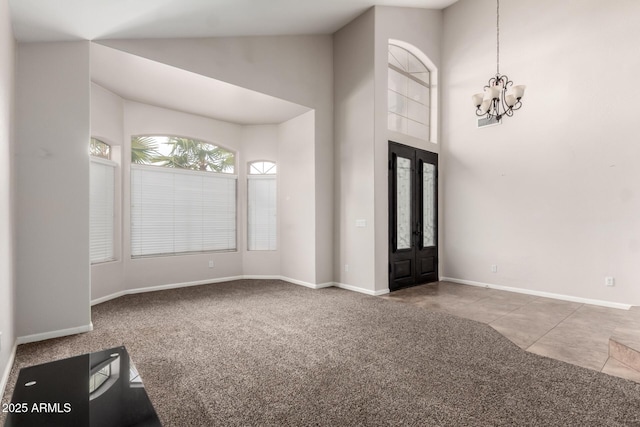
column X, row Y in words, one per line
column 354, row 150
column 7, row 248
column 52, row 194
column 552, row 195
column 295, row 68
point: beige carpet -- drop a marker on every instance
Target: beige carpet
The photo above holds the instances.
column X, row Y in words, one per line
column 260, row 352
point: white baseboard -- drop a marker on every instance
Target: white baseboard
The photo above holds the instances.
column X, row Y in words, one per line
column 181, row 285
column 539, row 293
column 361, row 290
column 161, row 288
column 7, row 370
column 108, row 298
column 54, row 334
column 207, row 282
column 307, row 284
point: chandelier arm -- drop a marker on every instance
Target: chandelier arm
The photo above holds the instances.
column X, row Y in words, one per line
column 505, row 107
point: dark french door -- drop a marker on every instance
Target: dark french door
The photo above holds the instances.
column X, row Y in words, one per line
column 413, row 216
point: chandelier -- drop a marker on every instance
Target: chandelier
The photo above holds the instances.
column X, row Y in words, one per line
column 500, row 96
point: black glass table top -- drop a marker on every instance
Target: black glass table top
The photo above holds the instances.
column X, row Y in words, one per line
column 101, row 389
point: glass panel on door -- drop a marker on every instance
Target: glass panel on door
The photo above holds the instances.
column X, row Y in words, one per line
column 428, row 205
column 403, row 197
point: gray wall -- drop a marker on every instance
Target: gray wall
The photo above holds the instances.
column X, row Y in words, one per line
column 52, row 194
column 7, row 241
column 552, row 195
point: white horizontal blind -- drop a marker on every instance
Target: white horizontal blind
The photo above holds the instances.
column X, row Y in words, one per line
column 176, row 211
column 261, row 215
column 101, row 200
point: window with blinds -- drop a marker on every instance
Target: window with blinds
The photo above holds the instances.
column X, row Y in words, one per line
column 101, row 209
column 261, row 207
column 178, row 211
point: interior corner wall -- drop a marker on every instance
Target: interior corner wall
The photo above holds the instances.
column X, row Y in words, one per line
column 421, row 28
column 294, row 68
column 52, row 195
column 551, row 196
column 7, row 194
column 296, row 175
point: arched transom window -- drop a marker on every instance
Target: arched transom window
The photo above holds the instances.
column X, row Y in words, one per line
column 262, row 168
column 408, row 94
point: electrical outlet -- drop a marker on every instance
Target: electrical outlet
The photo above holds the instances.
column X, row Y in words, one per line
column 210, row 264
column 346, row 268
column 609, row 281
column 494, row 268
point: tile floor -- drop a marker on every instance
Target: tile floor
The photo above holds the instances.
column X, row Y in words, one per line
column 568, row 331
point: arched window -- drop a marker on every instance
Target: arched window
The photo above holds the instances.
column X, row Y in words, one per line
column 262, row 168
column 101, row 202
column 261, row 206
column 181, row 153
column 409, row 94
column 183, row 196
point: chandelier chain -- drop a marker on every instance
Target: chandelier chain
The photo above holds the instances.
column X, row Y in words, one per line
column 498, row 37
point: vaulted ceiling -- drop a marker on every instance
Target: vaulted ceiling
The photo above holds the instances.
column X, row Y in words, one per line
column 38, row 20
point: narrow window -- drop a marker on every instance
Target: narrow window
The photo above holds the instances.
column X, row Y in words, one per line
column 262, row 206
column 101, row 202
column 408, row 92
column 183, row 196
